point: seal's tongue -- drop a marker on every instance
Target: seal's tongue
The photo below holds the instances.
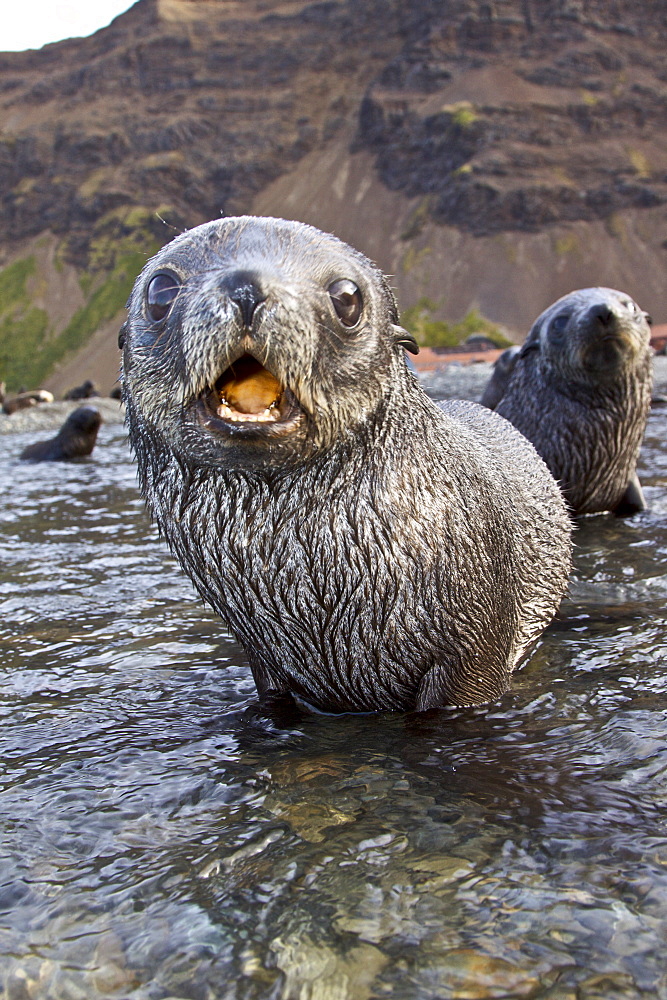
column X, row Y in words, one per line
column 248, row 392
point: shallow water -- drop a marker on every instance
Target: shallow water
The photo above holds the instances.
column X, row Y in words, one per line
column 162, row 838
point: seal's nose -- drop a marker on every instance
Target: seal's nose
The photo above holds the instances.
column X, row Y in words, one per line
column 245, row 290
column 601, row 315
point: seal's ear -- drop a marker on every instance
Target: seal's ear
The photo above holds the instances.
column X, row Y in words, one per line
column 405, row 339
column 532, row 341
column 648, row 318
column 121, row 335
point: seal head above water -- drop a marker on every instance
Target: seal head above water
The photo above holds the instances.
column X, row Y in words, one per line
column 580, row 390
column 369, row 549
column 75, row 439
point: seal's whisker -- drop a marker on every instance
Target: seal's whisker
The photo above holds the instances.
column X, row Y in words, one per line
column 169, row 225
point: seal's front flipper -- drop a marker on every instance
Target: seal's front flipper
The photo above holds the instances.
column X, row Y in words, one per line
column 632, row 500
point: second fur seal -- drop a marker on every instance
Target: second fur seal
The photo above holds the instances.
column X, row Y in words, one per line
column 369, row 549
column 75, row 439
column 580, row 389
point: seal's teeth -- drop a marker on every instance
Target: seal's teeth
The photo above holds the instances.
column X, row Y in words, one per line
column 268, row 416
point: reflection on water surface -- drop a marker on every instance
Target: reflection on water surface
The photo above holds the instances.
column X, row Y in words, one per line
column 163, row 838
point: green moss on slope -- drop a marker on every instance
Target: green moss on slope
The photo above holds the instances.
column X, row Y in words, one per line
column 104, row 303
column 22, row 326
column 28, row 349
column 21, row 338
column 12, row 283
column 439, row 333
column 117, row 249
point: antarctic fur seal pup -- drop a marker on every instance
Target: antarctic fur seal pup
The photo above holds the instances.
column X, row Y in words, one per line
column 580, row 390
column 75, row 439
column 369, row 549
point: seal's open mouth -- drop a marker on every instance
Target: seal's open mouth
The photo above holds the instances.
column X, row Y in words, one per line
column 248, row 392
column 248, row 396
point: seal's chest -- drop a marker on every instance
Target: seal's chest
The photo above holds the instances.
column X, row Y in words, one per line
column 290, row 554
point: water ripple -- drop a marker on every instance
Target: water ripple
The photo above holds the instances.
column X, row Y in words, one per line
column 163, row 837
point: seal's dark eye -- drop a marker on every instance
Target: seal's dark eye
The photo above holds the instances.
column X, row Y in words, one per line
column 559, row 323
column 347, row 301
column 161, row 292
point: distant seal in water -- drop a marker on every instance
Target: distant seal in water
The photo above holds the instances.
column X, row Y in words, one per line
column 369, row 549
column 580, row 390
column 75, row 439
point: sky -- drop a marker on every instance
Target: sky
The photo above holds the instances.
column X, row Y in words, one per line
column 29, row 24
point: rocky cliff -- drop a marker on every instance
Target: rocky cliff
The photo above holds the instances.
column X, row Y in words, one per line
column 517, row 115
column 488, row 155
